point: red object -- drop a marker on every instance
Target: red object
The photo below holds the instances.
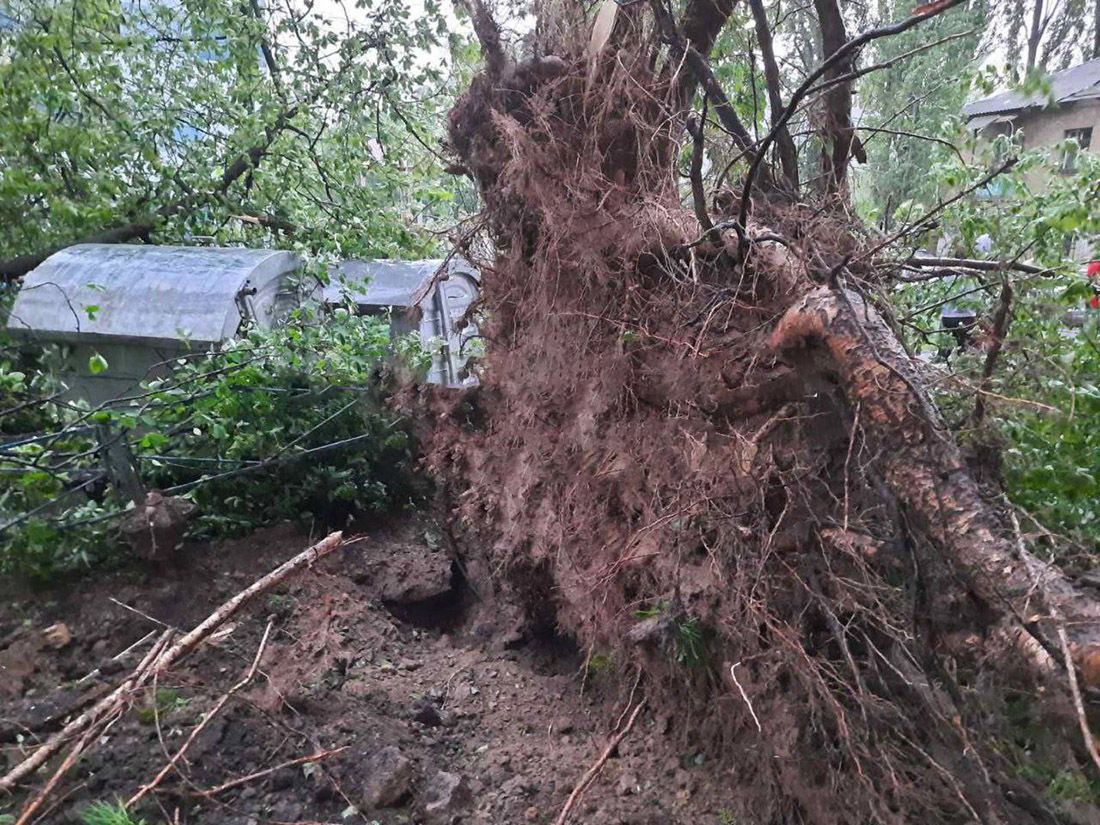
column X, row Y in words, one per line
column 1095, row 302
column 1094, row 269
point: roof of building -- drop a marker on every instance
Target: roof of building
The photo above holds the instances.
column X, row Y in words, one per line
column 157, row 293
column 1080, row 82
column 388, row 283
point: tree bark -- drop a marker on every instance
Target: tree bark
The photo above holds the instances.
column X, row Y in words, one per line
column 925, row 471
column 836, row 131
column 15, row 268
column 1034, row 35
column 1096, row 30
column 784, row 144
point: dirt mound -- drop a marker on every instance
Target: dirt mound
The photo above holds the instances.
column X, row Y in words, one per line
column 414, row 721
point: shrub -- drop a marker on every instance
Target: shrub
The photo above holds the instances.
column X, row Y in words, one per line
column 285, row 424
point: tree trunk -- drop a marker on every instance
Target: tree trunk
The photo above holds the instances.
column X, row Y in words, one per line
column 1034, row 35
column 651, row 438
column 836, row 129
column 925, row 470
column 784, row 144
column 1096, row 30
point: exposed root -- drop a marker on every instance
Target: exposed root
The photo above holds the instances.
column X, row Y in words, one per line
column 700, row 454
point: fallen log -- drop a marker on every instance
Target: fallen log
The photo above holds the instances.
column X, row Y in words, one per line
column 925, row 471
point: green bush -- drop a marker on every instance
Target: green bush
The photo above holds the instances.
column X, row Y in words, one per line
column 1044, row 406
column 285, row 424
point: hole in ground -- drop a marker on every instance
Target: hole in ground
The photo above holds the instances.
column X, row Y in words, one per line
column 443, row 612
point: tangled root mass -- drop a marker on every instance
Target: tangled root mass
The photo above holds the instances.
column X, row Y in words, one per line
column 670, row 454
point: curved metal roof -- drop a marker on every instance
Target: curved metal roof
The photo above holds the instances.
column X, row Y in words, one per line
column 389, row 283
column 157, row 293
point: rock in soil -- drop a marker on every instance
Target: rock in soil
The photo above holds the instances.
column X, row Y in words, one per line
column 389, row 775
column 447, row 797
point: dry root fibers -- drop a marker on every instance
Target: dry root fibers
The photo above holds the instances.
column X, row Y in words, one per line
column 725, row 472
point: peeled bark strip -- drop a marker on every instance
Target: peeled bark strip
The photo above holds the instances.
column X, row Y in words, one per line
column 924, row 469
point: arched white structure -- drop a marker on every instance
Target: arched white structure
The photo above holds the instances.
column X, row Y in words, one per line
column 141, row 305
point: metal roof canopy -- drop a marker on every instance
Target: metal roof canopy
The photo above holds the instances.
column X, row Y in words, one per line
column 1080, row 82
column 389, row 283
column 159, row 294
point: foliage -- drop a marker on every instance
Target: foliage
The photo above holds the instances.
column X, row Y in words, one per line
column 911, row 109
column 688, row 635
column 1043, row 35
column 262, row 124
column 285, row 424
column 165, row 701
column 256, row 123
column 108, row 813
column 1047, row 397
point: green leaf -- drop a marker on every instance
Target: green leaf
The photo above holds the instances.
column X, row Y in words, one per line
column 97, row 364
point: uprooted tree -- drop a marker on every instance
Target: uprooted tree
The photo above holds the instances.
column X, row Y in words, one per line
column 700, row 448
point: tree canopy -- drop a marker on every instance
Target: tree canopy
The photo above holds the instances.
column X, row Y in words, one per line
column 212, row 120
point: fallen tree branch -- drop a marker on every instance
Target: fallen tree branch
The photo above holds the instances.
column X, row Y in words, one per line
column 86, row 719
column 975, row 263
column 1078, row 703
column 597, row 766
column 252, row 777
column 923, row 467
column 206, row 720
column 156, row 662
column 70, row 759
column 304, row 559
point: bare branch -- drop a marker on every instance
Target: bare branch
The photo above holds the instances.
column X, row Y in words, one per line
column 1001, row 320
column 788, row 155
column 697, row 65
column 488, row 35
column 698, row 195
column 834, row 59
column 976, row 263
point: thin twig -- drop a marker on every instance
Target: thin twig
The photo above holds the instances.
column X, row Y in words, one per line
column 597, row 766
column 206, row 720
column 1078, row 704
column 89, row 718
column 156, row 662
column 243, row 780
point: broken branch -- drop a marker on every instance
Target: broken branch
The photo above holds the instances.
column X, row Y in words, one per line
column 155, row 663
column 206, row 720
column 597, row 766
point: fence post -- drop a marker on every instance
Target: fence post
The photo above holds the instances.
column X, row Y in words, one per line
column 120, row 465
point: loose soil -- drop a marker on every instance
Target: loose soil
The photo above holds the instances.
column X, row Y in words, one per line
column 382, row 649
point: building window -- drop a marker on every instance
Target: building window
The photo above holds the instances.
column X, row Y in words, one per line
column 1082, row 138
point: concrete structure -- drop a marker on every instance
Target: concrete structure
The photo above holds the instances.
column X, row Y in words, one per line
column 430, row 297
column 1071, row 110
